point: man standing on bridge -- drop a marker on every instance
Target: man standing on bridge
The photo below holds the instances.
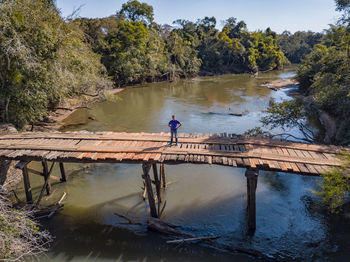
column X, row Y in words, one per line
column 174, row 125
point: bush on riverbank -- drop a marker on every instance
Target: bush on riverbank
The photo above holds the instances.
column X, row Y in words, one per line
column 20, row 236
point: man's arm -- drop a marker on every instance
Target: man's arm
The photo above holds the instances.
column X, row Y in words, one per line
column 179, row 125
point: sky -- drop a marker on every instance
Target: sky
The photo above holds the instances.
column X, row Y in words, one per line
column 279, row 15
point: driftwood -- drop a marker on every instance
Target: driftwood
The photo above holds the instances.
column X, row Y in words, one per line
column 58, row 207
column 160, row 226
column 130, row 222
column 180, row 241
column 47, row 211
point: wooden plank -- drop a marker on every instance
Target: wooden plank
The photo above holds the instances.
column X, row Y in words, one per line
column 246, row 162
column 294, row 167
column 312, row 169
column 302, row 168
column 239, row 161
column 283, row 166
column 125, row 136
column 292, row 152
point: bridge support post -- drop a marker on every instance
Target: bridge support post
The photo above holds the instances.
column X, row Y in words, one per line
column 63, row 173
column 157, row 183
column 46, row 177
column 27, row 187
column 252, row 181
column 162, row 175
column 148, row 184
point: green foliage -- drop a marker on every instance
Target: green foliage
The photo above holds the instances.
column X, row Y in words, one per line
column 42, row 60
column 234, row 49
column 256, row 132
column 335, row 185
column 296, row 46
column 20, row 236
column 137, row 12
column 289, row 114
column 325, row 76
column 286, row 114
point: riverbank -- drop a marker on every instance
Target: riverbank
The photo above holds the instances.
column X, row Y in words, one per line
column 55, row 119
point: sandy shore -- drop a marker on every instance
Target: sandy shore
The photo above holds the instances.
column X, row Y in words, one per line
column 280, row 83
column 55, row 119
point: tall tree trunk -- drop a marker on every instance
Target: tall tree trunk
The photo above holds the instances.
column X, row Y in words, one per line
column 7, row 110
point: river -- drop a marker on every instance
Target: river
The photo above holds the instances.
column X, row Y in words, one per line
column 204, row 200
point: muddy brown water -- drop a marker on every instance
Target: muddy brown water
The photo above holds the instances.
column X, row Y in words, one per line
column 204, row 200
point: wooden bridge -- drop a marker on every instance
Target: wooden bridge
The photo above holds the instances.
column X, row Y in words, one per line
column 149, row 149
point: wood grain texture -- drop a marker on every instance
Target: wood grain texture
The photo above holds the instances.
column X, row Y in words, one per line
column 221, row 149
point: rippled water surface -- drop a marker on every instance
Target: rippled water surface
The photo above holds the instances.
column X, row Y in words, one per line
column 204, row 200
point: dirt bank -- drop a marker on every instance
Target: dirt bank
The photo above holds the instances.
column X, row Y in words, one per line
column 280, row 83
column 55, row 119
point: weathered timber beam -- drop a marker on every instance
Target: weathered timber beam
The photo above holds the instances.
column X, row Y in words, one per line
column 35, row 172
column 63, row 173
column 22, row 164
column 157, row 183
column 153, row 211
column 27, row 188
column 46, row 176
column 162, row 175
column 252, row 181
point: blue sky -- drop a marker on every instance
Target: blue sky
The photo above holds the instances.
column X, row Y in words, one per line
column 280, row 15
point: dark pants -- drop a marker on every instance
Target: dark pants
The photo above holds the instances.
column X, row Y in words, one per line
column 173, row 132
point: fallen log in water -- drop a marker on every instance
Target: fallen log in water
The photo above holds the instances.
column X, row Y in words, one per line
column 130, row 221
column 228, row 114
column 160, row 226
column 191, row 239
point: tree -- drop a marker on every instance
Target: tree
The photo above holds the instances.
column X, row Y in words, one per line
column 296, row 46
column 137, row 12
column 43, row 59
column 335, row 185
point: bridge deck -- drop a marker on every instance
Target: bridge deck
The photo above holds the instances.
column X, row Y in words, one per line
column 221, row 149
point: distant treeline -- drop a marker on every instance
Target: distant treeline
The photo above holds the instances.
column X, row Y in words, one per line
column 45, row 58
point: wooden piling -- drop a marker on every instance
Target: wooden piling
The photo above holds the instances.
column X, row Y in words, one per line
column 252, row 181
column 162, row 173
column 157, row 182
column 46, row 177
column 63, row 173
column 148, row 183
column 27, row 187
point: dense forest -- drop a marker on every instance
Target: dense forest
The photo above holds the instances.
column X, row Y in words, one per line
column 45, row 58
